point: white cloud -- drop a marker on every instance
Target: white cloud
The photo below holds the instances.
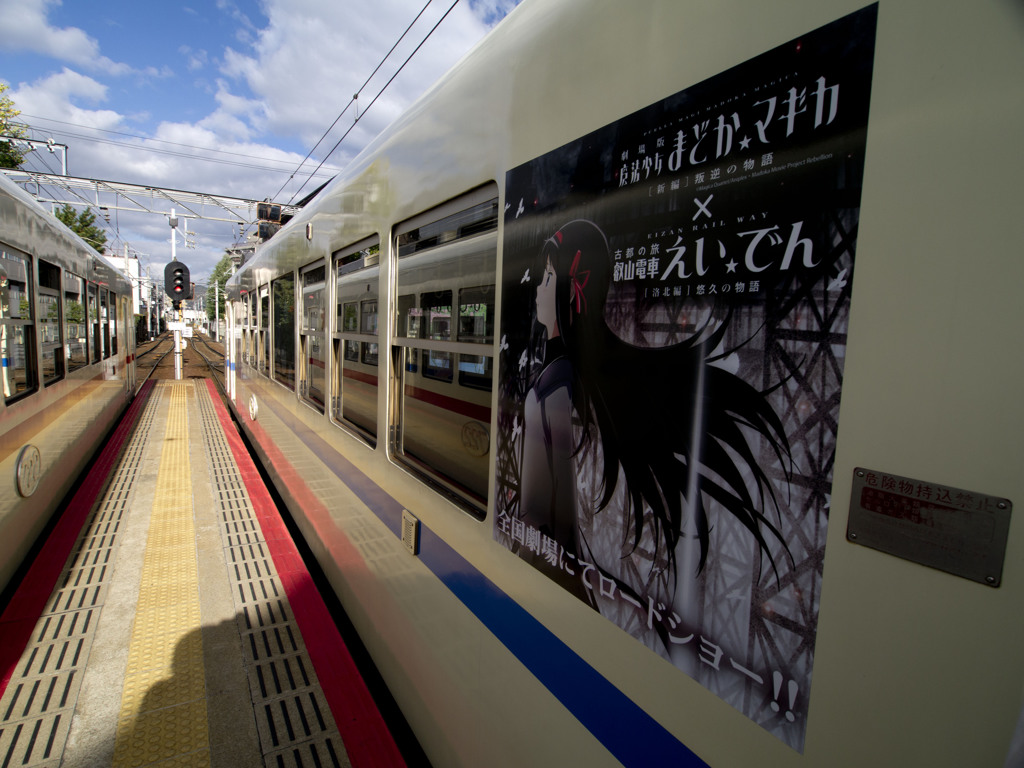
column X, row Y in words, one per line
column 313, row 56
column 61, row 94
column 283, row 78
column 492, row 11
column 195, row 59
column 24, row 27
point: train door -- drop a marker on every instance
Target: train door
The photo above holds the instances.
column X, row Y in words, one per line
column 355, row 342
column 49, row 321
column 282, row 309
column 128, row 333
column 95, row 345
column 312, row 330
column 105, row 322
column 249, row 349
column 236, row 336
column 263, row 353
column 442, row 348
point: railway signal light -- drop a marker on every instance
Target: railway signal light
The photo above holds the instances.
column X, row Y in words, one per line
column 177, row 284
column 268, row 212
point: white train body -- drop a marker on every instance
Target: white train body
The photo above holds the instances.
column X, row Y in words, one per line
column 383, row 351
column 68, row 348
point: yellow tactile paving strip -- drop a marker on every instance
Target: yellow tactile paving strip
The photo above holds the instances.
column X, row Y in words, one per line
column 163, row 707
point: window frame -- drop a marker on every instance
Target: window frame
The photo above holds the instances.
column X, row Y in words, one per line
column 11, row 325
column 92, row 314
column 463, row 235
column 355, row 347
column 282, row 320
column 47, row 347
column 313, row 278
column 104, row 320
column 263, row 355
column 112, row 322
column 83, row 300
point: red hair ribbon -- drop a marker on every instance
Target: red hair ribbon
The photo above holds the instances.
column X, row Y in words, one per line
column 579, row 280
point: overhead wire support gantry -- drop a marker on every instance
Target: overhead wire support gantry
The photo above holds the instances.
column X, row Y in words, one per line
column 143, row 199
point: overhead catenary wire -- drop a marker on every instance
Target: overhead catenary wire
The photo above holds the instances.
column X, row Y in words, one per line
column 203, row 154
column 153, row 150
column 379, row 94
column 352, row 100
column 35, row 157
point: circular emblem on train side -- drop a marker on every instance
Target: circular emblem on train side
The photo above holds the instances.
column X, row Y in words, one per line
column 254, row 409
column 475, row 438
column 29, row 469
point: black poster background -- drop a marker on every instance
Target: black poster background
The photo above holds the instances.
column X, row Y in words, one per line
column 730, row 212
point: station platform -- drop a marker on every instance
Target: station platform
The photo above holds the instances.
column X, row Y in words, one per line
column 169, row 619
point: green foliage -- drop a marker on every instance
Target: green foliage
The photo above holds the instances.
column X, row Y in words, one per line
column 10, row 155
column 74, row 312
column 82, row 224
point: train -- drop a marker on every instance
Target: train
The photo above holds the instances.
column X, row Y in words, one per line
column 647, row 392
column 67, row 338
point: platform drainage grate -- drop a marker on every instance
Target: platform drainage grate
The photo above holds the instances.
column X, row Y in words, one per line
column 293, row 719
column 38, row 705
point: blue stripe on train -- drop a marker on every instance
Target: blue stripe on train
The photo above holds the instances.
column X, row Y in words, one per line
column 623, row 727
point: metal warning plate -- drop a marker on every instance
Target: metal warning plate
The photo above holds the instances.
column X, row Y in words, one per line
column 957, row 531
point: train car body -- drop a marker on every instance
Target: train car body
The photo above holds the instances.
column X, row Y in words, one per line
column 67, row 337
column 550, row 379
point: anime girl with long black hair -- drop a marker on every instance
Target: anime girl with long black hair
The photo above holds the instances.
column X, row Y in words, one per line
column 659, row 438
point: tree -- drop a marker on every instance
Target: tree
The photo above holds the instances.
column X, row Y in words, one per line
column 10, row 155
column 218, row 277
column 74, row 312
column 82, row 224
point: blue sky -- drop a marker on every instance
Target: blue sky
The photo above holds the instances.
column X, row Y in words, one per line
column 217, row 96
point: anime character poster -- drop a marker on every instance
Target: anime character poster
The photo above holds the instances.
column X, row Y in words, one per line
column 676, row 293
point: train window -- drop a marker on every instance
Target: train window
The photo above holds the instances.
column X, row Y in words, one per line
column 104, row 322
column 76, row 345
column 50, row 323
column 113, row 323
column 476, row 325
column 249, row 334
column 476, row 219
column 17, row 340
column 355, row 341
column 313, row 372
column 264, row 340
column 368, row 327
column 247, row 322
column 95, row 344
column 445, row 278
column 436, row 317
column 349, row 316
column 283, row 308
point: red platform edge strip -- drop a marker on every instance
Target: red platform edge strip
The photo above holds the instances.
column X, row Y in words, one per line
column 366, row 736
column 29, row 600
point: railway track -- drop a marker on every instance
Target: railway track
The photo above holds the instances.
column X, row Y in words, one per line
column 201, row 359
